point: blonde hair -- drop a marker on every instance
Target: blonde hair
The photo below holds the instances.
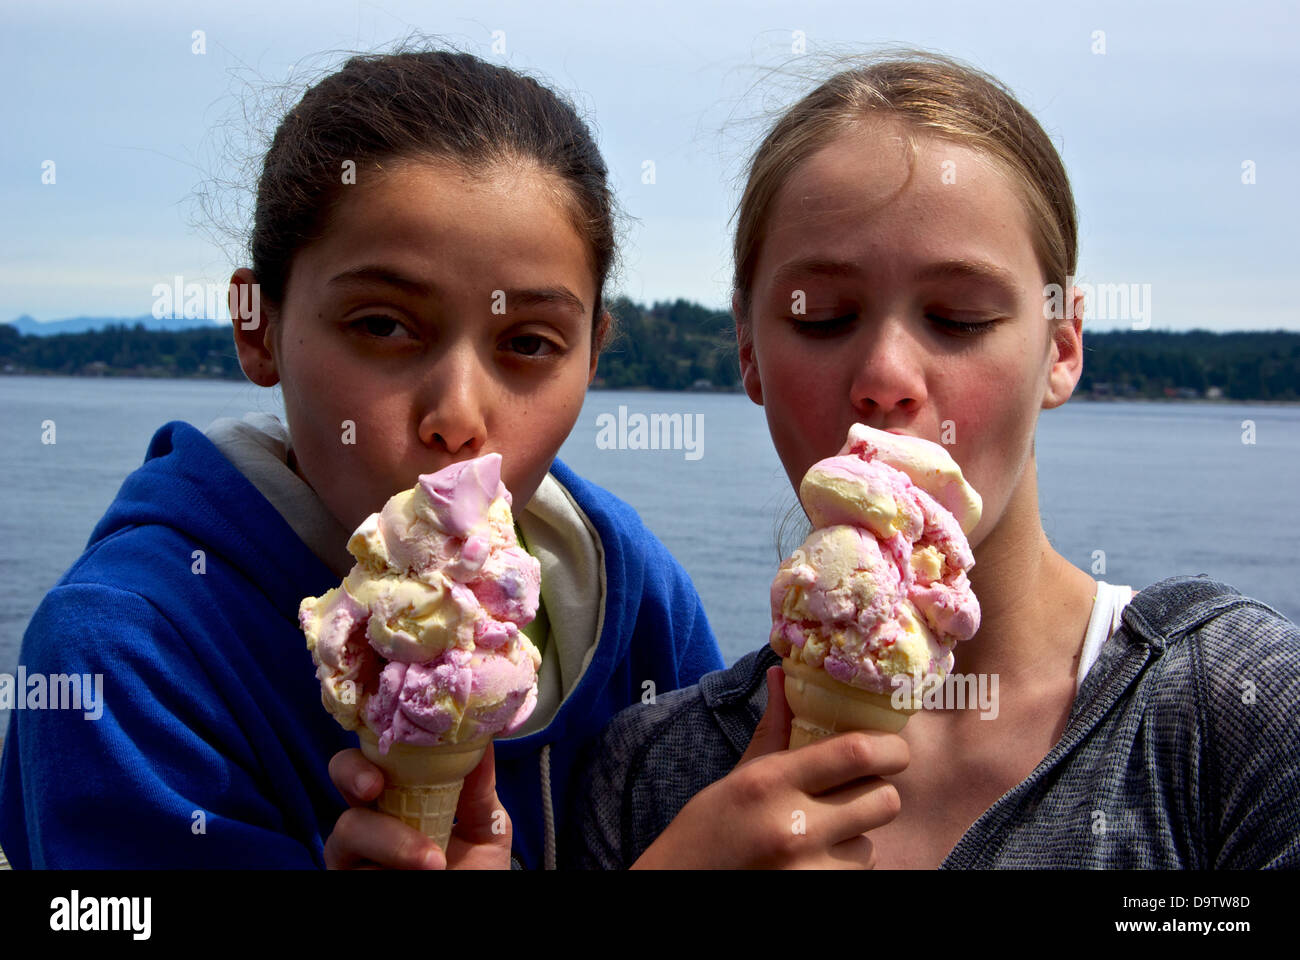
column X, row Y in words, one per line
column 933, row 94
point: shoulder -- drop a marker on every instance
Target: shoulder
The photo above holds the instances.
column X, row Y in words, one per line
column 144, row 574
column 100, row 627
column 602, row 507
column 1180, row 605
column 1216, row 673
column 1214, row 645
column 653, row 757
column 694, row 733
column 1214, row 628
column 142, row 658
column 131, row 556
column 623, row 534
column 181, row 450
column 1223, row 696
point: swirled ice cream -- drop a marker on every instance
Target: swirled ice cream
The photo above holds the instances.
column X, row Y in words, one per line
column 422, row 642
column 878, row 595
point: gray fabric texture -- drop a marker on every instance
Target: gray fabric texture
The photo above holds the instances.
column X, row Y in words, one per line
column 1185, row 735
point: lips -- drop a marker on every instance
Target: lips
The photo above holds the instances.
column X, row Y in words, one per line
column 897, row 431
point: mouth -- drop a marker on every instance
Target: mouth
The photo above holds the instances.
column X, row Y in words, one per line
column 911, row 434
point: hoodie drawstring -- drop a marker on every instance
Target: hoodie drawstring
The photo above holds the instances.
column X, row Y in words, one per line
column 548, row 812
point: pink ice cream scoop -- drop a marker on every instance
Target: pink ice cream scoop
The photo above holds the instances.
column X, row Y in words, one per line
column 461, row 696
column 422, row 642
column 878, row 594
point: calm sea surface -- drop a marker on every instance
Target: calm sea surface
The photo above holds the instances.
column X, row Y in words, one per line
column 1160, row 488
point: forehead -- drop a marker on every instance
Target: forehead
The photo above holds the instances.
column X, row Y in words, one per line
column 506, row 226
column 866, row 196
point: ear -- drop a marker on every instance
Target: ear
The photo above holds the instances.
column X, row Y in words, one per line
column 603, row 326
column 252, row 321
column 745, row 348
column 1067, row 354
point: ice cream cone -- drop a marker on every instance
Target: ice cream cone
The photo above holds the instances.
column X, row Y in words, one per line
column 422, row 784
column 823, row 706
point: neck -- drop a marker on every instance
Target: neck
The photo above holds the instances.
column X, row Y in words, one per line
column 1034, row 604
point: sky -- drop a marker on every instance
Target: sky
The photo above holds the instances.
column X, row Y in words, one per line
column 1162, row 112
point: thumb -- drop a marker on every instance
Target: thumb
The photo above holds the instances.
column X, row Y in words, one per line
column 773, row 731
column 480, row 818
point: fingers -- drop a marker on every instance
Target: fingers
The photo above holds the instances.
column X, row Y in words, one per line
column 803, row 802
column 367, row 837
column 840, row 816
column 773, row 730
column 480, row 818
column 831, row 763
column 777, row 705
column 776, row 824
column 359, row 780
column 856, row 853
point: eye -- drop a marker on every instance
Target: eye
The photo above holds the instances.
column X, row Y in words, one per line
column 529, row 345
column 381, row 326
column 962, row 325
column 822, row 328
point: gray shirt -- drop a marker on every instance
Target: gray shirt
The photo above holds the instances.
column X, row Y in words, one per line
column 1182, row 750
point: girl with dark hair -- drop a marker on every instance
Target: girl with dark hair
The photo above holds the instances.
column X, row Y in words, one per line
column 431, row 243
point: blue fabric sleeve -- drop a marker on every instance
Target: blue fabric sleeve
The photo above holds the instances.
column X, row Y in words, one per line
column 164, row 777
column 671, row 600
column 699, row 652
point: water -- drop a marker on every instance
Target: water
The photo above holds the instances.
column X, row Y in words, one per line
column 1158, row 488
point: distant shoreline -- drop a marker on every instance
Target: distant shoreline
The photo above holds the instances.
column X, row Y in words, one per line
column 1077, row 397
column 683, row 347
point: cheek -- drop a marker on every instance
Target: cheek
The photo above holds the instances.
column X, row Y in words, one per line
column 345, row 435
column 804, row 407
column 310, row 375
column 994, row 410
column 530, row 437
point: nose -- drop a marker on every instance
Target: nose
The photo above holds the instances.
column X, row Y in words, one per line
column 889, row 380
column 453, row 406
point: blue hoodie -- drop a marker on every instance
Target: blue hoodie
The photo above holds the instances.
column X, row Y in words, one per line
column 212, row 747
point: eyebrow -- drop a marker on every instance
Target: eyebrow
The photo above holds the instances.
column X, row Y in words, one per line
column 956, row 269
column 963, row 269
column 382, row 276
column 545, row 296
column 521, row 297
column 814, row 266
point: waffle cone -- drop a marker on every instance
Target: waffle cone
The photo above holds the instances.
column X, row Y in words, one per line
column 823, row 706
column 422, row 784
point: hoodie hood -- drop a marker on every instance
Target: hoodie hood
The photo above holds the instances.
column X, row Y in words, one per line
column 186, row 484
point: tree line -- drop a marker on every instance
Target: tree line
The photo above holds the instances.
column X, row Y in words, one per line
column 680, row 345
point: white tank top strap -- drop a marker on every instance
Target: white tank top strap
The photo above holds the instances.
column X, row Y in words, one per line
column 1107, row 608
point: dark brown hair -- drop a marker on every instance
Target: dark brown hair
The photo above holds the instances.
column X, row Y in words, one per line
column 432, row 104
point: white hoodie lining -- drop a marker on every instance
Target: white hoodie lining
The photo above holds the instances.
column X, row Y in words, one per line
column 572, row 559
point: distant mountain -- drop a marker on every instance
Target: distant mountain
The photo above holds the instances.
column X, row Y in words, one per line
column 29, row 325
